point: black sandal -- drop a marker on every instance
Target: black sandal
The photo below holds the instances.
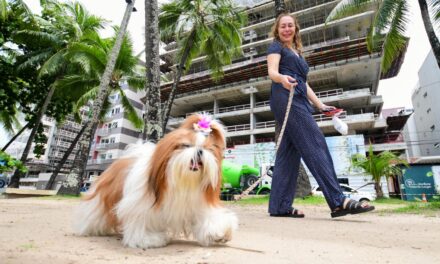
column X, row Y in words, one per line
column 294, row 213
column 352, row 207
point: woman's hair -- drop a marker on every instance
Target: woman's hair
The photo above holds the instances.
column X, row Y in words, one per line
column 297, row 44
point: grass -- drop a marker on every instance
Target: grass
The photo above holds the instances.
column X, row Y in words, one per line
column 427, row 209
column 264, row 199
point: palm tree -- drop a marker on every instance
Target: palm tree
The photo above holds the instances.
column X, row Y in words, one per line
column 103, row 91
column 392, row 17
column 384, row 164
column 70, row 21
column 210, row 28
column 153, row 113
column 90, row 55
column 280, row 7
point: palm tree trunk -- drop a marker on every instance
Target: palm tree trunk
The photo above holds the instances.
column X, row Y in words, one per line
column 103, row 91
column 181, row 67
column 153, row 110
column 15, row 179
column 378, row 188
column 280, row 7
column 16, row 136
column 65, row 157
column 433, row 40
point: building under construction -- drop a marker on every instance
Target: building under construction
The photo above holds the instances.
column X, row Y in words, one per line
column 342, row 73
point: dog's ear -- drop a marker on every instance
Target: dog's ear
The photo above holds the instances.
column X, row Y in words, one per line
column 218, row 134
column 190, row 121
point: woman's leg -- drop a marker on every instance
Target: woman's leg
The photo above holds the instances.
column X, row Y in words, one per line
column 311, row 145
column 284, row 178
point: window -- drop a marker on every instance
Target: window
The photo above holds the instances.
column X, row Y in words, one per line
column 114, row 125
column 112, row 140
column 102, row 156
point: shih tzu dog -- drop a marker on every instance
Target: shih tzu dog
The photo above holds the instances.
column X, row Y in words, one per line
column 157, row 192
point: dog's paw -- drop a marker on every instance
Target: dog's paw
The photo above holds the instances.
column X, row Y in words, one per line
column 216, row 228
column 149, row 240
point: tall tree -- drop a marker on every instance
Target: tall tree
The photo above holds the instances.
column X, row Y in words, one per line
column 201, row 27
column 392, row 17
column 84, row 144
column 65, row 23
column 384, row 164
column 153, row 113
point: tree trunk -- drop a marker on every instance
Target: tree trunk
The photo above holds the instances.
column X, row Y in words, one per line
column 181, row 67
column 153, row 114
column 84, row 146
column 280, row 7
column 15, row 179
column 72, row 184
column 65, row 157
column 433, row 40
column 16, row 136
column 378, row 188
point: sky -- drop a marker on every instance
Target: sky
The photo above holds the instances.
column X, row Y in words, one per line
column 396, row 92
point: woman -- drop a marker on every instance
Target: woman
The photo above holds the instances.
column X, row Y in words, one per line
column 302, row 137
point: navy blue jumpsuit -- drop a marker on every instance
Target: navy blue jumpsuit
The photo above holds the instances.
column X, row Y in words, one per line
column 302, row 139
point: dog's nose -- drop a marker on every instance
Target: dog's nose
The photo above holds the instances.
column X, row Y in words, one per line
column 199, row 153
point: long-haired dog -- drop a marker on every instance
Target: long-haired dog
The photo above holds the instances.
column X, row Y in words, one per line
column 157, row 192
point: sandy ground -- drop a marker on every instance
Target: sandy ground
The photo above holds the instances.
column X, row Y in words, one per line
column 39, row 231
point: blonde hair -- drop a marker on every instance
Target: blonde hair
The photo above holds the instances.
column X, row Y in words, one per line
column 296, row 43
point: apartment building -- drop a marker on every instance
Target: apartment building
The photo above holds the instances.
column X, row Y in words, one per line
column 342, row 73
column 114, row 133
column 40, row 168
column 422, row 132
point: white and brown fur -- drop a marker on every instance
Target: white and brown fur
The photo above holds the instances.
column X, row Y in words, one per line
column 157, row 192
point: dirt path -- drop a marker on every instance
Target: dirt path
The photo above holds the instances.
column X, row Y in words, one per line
column 38, row 231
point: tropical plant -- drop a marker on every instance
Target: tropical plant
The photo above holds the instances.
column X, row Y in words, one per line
column 199, row 27
column 385, row 164
column 60, row 24
column 389, row 25
column 153, row 113
column 102, row 92
column 8, row 163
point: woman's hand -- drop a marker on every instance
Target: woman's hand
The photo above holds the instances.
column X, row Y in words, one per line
column 288, row 82
column 324, row 107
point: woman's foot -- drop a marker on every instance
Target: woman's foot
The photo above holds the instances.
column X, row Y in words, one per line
column 352, row 207
column 294, row 213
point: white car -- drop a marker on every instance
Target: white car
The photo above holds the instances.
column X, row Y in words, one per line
column 349, row 192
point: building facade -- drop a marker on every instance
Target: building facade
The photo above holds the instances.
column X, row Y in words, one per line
column 422, row 132
column 342, row 73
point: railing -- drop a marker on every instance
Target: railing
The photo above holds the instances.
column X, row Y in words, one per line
column 106, row 145
column 329, row 93
column 100, row 161
column 266, row 124
column 322, row 117
column 234, row 108
column 238, row 128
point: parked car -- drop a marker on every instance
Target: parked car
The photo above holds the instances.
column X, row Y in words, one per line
column 350, row 192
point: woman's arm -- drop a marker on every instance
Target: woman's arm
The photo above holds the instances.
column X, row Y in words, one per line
column 315, row 100
column 273, row 62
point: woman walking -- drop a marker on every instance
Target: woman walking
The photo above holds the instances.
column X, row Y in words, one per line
column 302, row 137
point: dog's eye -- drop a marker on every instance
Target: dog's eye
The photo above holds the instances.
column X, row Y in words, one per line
column 185, row 145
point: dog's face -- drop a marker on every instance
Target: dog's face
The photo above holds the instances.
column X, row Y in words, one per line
column 189, row 158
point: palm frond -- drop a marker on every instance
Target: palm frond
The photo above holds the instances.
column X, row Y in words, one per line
column 86, row 97
column 34, row 59
column 347, row 8
column 131, row 113
column 395, row 41
column 435, row 6
column 3, row 10
column 53, row 65
column 136, row 82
